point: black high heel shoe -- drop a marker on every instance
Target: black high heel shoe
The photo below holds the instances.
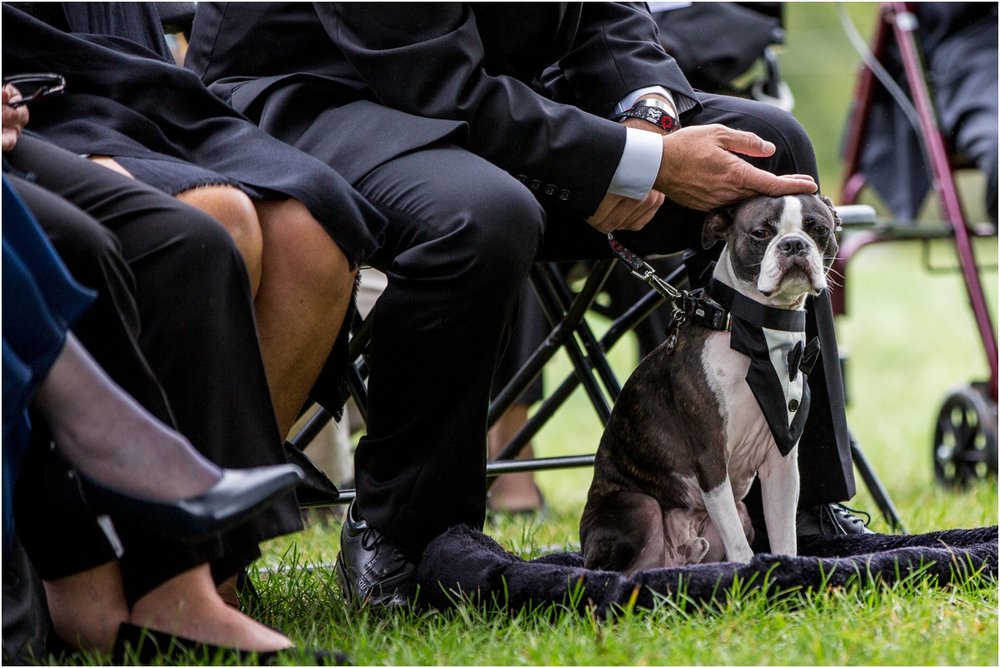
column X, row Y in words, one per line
column 139, row 645
column 239, row 494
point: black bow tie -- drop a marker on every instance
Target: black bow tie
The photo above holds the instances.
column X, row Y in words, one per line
column 774, row 340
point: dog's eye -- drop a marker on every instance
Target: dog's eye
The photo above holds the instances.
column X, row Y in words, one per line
column 816, row 228
column 760, row 233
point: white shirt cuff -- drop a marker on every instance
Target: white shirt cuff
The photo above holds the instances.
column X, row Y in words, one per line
column 639, row 165
column 627, row 101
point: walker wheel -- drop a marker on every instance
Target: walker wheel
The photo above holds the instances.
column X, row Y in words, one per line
column 965, row 439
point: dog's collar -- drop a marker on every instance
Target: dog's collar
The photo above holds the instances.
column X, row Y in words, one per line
column 698, row 308
column 753, row 312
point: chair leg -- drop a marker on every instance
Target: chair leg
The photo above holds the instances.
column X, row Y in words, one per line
column 875, row 488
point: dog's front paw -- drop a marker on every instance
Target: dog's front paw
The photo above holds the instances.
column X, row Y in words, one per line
column 741, row 554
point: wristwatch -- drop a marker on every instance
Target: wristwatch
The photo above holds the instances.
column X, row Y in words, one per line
column 653, row 111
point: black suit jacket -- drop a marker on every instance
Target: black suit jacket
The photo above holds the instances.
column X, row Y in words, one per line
column 469, row 72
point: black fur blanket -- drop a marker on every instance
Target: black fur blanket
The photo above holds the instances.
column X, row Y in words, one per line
column 467, row 561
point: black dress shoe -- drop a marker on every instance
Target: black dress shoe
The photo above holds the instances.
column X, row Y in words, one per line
column 370, row 569
column 136, row 645
column 830, row 519
column 239, row 494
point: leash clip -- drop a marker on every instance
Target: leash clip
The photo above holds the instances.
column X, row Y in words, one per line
column 685, row 306
column 639, row 267
column 642, row 270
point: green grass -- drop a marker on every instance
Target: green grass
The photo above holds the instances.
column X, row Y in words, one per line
column 911, row 624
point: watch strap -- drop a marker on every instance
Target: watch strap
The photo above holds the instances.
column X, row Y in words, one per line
column 651, row 111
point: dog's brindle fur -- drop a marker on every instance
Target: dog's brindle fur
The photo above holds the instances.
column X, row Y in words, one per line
column 661, row 473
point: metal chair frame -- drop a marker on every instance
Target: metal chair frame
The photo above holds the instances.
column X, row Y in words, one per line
column 566, row 312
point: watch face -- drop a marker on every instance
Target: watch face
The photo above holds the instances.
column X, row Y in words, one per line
column 652, row 102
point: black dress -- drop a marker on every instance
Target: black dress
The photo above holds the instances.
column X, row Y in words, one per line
column 126, row 98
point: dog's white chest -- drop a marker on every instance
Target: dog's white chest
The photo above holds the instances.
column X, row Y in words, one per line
column 748, row 436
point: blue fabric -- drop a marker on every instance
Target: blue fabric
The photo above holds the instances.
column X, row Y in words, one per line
column 40, row 302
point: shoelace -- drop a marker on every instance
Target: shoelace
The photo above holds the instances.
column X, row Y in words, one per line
column 830, row 512
column 371, row 538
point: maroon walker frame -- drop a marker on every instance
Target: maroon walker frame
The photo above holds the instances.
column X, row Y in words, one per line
column 898, row 23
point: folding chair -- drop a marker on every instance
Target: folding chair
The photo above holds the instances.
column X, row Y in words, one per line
column 565, row 311
column 965, row 439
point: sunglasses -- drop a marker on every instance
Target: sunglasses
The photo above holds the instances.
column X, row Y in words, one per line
column 35, row 86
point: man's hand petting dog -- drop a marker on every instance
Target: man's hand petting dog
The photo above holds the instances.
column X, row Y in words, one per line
column 701, row 170
column 689, row 431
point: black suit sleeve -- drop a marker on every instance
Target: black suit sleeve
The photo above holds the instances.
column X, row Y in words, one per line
column 617, row 51
column 428, row 59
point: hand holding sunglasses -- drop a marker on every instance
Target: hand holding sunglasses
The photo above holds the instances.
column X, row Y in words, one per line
column 35, row 86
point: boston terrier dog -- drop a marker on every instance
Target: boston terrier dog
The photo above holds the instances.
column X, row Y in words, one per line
column 713, row 407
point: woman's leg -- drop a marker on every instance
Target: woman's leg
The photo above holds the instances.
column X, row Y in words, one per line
column 88, row 607
column 301, row 283
column 512, row 492
column 158, row 264
column 106, row 435
column 300, row 279
column 89, row 593
column 235, row 210
column 305, row 290
column 100, row 429
column 228, row 205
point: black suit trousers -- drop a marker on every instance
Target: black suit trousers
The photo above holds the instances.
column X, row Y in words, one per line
column 173, row 325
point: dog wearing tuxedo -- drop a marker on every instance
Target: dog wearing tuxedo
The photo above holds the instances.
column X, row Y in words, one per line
column 715, row 406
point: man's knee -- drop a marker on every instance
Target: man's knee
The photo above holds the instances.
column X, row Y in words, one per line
column 89, row 250
column 484, row 234
column 181, row 248
column 510, row 227
column 793, row 149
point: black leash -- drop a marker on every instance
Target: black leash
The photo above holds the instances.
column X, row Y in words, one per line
column 687, row 306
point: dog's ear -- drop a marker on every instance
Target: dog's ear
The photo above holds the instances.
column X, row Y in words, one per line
column 716, row 225
column 832, row 246
column 833, row 211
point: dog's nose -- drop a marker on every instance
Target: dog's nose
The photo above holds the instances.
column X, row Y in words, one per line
column 792, row 246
